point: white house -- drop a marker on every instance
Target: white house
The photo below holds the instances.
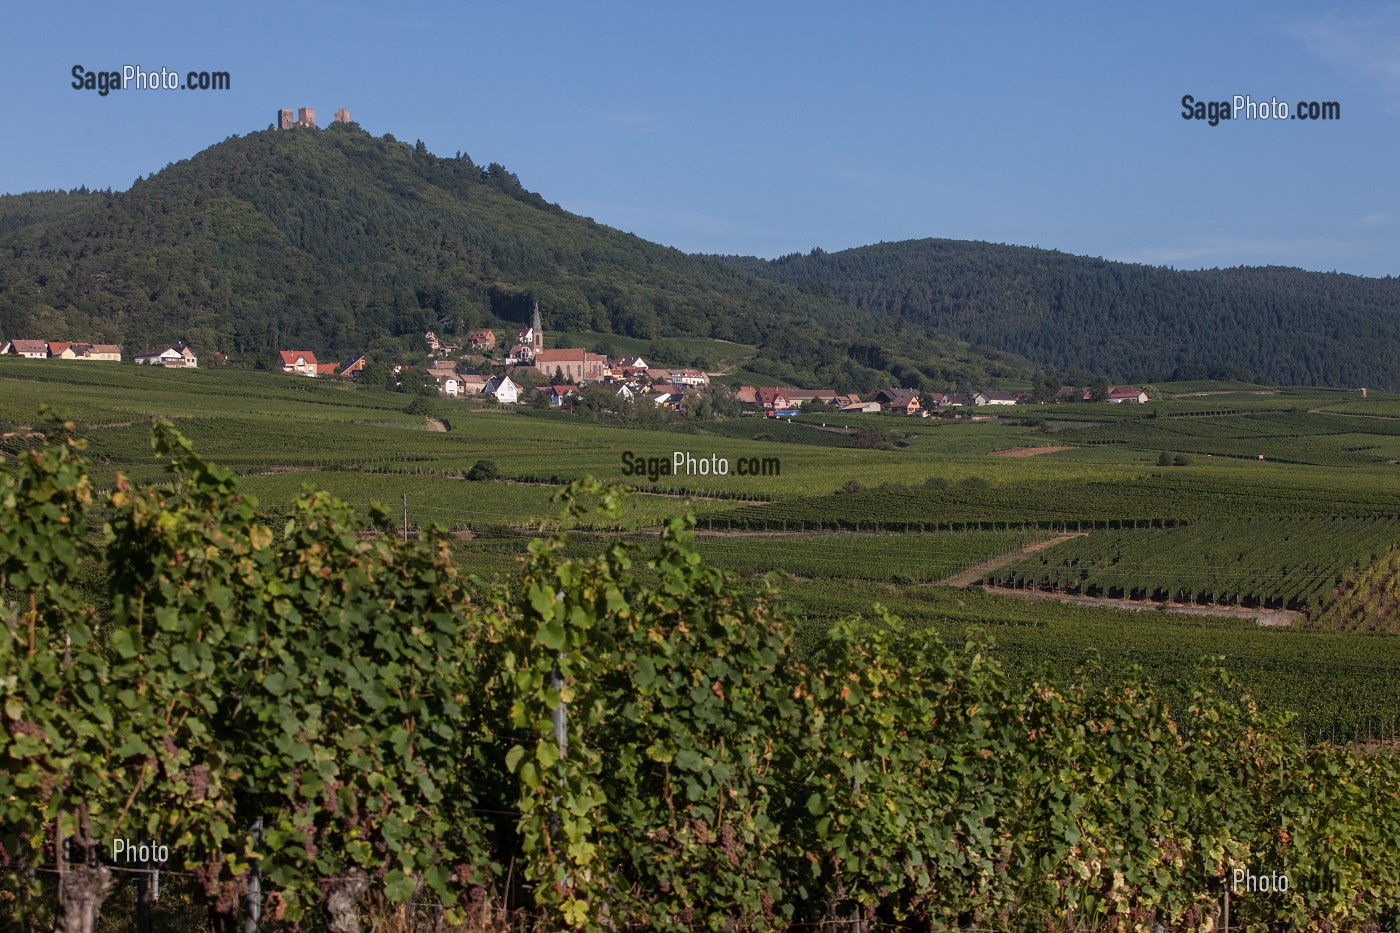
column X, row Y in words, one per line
column 862, row 408
column 994, row 398
column 447, row 383
column 174, row 356
column 503, row 390
column 689, row 377
column 30, row 349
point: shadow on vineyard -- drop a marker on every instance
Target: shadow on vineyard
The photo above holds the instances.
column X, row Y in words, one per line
column 321, row 729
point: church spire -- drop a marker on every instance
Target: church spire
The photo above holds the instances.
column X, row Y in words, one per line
column 538, row 329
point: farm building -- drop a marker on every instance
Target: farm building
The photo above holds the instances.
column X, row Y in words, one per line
column 30, row 349
column 1119, row 394
column 173, row 356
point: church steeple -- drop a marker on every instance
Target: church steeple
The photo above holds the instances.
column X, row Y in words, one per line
column 538, row 329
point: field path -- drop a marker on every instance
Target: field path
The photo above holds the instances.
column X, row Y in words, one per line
column 1027, row 451
column 977, row 571
column 1269, row 618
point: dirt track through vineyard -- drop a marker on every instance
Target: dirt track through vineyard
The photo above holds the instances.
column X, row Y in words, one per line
column 976, row 572
column 1266, row 617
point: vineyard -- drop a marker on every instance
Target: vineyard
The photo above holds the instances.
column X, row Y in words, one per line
column 1338, row 685
column 1291, row 437
column 1275, row 564
column 318, row 722
column 1138, row 499
column 843, row 528
column 1370, row 604
column 908, row 559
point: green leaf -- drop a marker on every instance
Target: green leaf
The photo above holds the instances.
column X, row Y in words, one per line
column 551, row 634
column 689, row 759
column 123, row 643
column 645, row 674
column 398, row 887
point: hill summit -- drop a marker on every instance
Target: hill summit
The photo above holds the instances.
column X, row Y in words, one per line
column 339, row 241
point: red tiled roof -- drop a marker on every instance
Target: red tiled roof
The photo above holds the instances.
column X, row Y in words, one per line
column 769, row 395
column 575, row 355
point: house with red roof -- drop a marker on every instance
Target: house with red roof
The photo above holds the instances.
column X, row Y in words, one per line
column 772, row 398
column 1120, row 394
column 297, row 362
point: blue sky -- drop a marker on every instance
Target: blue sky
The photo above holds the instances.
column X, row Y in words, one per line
column 776, row 127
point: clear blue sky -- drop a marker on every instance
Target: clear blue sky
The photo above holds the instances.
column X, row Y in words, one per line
column 769, row 128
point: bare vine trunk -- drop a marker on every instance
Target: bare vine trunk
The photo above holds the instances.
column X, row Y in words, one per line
column 81, row 890
column 82, row 887
column 345, row 893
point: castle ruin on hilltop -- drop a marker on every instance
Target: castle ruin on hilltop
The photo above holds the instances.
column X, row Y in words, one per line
column 306, row 118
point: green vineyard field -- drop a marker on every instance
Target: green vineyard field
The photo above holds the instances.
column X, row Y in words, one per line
column 1274, row 564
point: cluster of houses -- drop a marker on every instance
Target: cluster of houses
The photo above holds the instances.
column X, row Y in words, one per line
column 569, row 370
column 774, row 399
column 911, row 401
column 1116, row 394
column 175, row 355
column 564, row 370
column 61, row 350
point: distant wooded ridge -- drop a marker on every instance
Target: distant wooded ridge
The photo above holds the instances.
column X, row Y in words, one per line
column 1276, row 324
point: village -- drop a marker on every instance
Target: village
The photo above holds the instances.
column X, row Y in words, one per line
column 527, row 368
column 521, row 368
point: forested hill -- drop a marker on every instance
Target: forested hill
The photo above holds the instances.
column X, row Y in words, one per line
column 1125, row 321
column 337, row 241
column 22, row 210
